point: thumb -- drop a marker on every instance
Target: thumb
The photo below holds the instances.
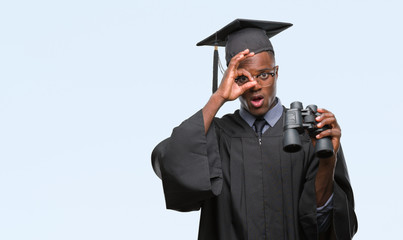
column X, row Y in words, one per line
column 247, row 86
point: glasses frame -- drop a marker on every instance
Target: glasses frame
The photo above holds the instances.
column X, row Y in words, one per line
column 272, row 72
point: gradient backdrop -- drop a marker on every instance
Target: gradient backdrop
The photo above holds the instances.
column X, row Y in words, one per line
column 88, row 88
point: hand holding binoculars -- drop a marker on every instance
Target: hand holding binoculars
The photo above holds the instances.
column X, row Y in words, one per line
column 296, row 121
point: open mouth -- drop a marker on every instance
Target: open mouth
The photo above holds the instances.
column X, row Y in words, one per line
column 257, row 101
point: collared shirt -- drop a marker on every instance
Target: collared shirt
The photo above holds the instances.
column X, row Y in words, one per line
column 272, row 116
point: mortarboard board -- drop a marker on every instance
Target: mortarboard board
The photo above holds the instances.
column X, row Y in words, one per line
column 239, row 35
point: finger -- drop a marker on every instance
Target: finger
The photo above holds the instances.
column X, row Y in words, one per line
column 251, row 54
column 234, row 63
column 324, row 115
column 231, row 72
column 331, row 121
column 250, row 84
column 245, row 53
column 247, row 86
column 245, row 73
column 327, row 118
column 239, row 56
column 333, row 132
column 322, row 110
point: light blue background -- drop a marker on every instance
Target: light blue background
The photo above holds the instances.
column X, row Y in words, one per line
column 88, row 88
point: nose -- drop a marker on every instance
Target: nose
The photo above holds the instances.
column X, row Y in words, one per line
column 257, row 85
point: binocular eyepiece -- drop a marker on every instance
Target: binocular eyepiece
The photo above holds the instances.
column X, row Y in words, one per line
column 296, row 121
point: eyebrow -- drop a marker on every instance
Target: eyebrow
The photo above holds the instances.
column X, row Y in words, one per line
column 265, row 69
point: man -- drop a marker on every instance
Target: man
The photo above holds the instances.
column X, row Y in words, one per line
column 235, row 169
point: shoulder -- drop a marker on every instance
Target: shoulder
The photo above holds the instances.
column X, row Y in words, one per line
column 232, row 124
column 228, row 120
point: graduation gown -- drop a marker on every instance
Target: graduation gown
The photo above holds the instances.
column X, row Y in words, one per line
column 247, row 190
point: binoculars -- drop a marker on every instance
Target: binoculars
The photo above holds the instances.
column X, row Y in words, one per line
column 296, row 121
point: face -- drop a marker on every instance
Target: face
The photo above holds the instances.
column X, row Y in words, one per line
column 258, row 100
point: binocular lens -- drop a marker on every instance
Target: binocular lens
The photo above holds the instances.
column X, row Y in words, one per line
column 324, row 148
column 291, row 141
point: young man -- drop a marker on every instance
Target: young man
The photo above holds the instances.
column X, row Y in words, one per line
column 235, row 169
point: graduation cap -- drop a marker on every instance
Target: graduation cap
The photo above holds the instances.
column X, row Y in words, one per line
column 239, row 35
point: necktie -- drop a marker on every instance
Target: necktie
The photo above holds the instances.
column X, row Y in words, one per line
column 259, row 124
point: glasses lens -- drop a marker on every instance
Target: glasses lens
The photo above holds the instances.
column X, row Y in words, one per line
column 241, row 80
column 265, row 79
column 266, row 84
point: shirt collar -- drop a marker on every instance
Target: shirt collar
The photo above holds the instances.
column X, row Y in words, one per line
column 271, row 117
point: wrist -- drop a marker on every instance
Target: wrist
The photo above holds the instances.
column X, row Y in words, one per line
column 327, row 166
column 218, row 99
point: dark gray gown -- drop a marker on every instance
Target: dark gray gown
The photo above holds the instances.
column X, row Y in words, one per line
column 246, row 190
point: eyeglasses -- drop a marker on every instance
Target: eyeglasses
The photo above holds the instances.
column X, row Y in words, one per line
column 264, row 79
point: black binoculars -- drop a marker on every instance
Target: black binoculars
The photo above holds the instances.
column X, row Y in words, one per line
column 296, row 121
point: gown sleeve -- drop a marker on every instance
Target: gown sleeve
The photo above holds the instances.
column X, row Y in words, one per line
column 344, row 220
column 189, row 165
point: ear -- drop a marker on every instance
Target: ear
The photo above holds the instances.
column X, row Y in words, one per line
column 276, row 71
